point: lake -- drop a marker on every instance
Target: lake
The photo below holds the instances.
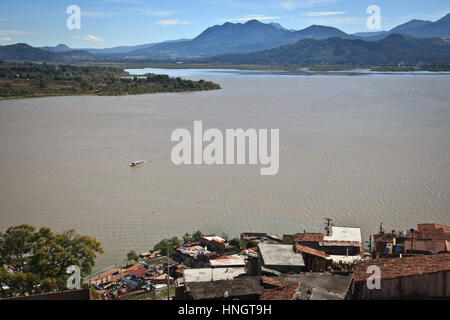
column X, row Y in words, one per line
column 360, row 148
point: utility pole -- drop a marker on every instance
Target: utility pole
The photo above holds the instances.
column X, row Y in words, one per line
column 381, row 228
column 168, row 268
column 328, row 225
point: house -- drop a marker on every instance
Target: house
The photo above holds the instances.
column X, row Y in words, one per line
column 307, row 286
column 415, row 277
column 260, row 237
column 429, row 238
column 217, row 244
column 343, row 244
column 248, row 288
column 205, row 275
column 286, row 292
column 103, row 278
column 246, row 236
column 315, row 260
column 280, row 258
column 319, row 286
column 212, row 274
column 228, row 261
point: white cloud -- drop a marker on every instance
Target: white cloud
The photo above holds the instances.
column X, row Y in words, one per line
column 324, row 13
column 252, row 17
column 173, row 22
column 334, row 21
column 290, row 5
column 161, row 13
column 90, row 38
column 293, row 4
column 5, row 39
column 96, row 14
column 4, row 32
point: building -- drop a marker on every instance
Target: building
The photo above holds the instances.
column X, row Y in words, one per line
column 315, row 260
column 418, row 277
column 228, row 261
column 205, row 275
column 429, row 238
column 280, row 258
column 239, row 289
column 212, row 274
column 286, row 292
column 343, row 245
column 307, row 286
column 217, row 244
column 82, row 294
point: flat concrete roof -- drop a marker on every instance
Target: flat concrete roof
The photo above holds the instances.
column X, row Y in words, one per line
column 344, row 234
column 211, row 274
column 280, row 255
column 230, row 261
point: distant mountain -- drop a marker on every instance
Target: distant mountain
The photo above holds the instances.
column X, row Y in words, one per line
column 415, row 28
column 410, row 25
column 321, row 32
column 371, row 34
column 24, row 52
column 58, row 48
column 235, row 38
column 279, row 26
column 395, row 49
column 426, row 29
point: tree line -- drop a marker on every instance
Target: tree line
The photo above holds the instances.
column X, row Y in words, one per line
column 33, row 80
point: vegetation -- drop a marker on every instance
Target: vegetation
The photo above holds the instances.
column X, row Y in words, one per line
column 19, row 80
column 394, row 50
column 132, row 256
column 36, row 260
column 192, row 238
column 165, row 244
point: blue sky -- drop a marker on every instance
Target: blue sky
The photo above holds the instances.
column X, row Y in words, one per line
column 107, row 23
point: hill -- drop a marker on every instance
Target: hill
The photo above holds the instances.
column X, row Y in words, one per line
column 395, row 49
column 235, row 38
column 24, row 52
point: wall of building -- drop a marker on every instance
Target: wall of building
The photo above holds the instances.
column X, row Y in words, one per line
column 433, row 285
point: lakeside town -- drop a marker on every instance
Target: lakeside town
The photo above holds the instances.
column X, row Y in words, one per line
column 411, row 264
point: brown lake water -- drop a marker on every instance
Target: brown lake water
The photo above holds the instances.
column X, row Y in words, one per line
column 359, row 149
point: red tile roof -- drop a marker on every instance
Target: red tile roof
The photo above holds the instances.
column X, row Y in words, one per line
column 283, row 293
column 136, row 266
column 160, row 277
column 308, row 237
column 311, row 251
column 403, row 267
column 140, row 272
column 272, row 282
column 434, row 231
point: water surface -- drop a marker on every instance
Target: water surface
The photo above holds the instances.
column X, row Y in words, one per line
column 361, row 150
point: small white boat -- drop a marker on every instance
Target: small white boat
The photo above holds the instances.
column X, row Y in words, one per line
column 137, row 163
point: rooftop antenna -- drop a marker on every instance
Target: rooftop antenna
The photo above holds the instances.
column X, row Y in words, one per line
column 328, row 225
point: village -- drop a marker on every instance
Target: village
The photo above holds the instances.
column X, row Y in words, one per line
column 410, row 264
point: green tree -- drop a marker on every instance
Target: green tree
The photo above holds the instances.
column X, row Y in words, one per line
column 196, row 236
column 41, row 258
column 132, row 256
column 187, row 238
column 165, row 244
column 235, row 242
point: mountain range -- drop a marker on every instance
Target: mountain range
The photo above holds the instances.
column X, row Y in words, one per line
column 255, row 36
column 396, row 49
column 243, row 38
